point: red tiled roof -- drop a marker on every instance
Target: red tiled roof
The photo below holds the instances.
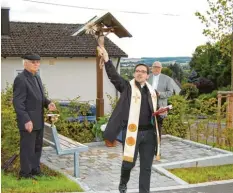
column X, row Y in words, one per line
column 52, row 40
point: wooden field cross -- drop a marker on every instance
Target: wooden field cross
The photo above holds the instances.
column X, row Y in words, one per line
column 99, row 27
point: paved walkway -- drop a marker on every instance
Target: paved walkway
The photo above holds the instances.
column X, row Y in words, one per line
column 217, row 188
column 100, row 166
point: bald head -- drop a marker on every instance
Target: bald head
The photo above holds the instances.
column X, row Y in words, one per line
column 156, row 68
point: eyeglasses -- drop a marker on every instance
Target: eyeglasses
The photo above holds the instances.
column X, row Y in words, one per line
column 142, row 71
column 156, row 67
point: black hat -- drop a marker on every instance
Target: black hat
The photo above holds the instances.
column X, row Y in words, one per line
column 31, row 56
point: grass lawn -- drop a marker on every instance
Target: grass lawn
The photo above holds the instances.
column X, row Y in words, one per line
column 218, row 146
column 52, row 182
column 204, row 174
column 10, row 184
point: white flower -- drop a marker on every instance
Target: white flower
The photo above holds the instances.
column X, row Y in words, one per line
column 103, row 127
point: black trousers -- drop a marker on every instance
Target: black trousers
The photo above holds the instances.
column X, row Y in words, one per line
column 30, row 151
column 146, row 142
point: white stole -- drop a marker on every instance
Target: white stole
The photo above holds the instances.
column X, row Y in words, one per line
column 132, row 127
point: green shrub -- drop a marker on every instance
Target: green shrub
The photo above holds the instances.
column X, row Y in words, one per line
column 74, row 108
column 173, row 124
column 9, row 129
column 228, row 134
column 96, row 130
column 189, row 90
column 205, row 107
column 97, row 127
column 80, row 132
column 226, row 88
column 208, row 96
column 214, row 94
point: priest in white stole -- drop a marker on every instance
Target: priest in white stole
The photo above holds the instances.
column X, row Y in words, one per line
column 133, row 116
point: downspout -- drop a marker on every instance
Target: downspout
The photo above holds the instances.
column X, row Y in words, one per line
column 118, row 62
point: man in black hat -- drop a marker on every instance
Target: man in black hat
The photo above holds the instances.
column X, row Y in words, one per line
column 29, row 101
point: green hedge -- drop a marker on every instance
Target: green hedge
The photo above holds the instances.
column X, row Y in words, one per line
column 80, row 132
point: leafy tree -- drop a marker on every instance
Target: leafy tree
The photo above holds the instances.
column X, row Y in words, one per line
column 177, row 72
column 209, row 62
column 167, row 71
column 218, row 22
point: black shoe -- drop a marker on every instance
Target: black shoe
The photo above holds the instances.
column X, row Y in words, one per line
column 122, row 188
column 29, row 176
column 39, row 174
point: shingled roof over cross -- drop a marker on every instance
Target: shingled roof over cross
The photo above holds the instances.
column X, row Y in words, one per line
column 52, row 40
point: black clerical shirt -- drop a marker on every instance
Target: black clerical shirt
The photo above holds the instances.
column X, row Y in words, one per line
column 145, row 111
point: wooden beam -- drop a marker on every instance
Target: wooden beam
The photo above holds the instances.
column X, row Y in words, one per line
column 232, row 59
column 219, row 118
column 229, row 115
column 99, row 82
column 225, row 92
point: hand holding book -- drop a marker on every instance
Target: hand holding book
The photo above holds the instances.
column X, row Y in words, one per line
column 162, row 110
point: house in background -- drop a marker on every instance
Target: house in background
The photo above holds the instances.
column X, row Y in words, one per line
column 68, row 63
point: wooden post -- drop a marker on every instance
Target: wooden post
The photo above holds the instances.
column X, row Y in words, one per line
column 99, row 86
column 229, row 116
column 232, row 59
column 219, row 117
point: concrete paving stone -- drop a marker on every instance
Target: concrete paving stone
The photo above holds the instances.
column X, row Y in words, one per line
column 70, row 169
column 100, row 167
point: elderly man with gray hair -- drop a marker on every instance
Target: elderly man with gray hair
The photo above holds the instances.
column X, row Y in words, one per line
column 29, row 101
column 162, row 84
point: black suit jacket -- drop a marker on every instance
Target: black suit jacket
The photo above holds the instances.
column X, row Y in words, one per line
column 120, row 115
column 29, row 101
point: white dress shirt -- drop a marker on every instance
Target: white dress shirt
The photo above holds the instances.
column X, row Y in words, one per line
column 155, row 81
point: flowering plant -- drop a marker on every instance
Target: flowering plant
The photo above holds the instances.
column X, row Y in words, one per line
column 99, row 127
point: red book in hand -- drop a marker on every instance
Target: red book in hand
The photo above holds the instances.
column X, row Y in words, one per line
column 162, row 110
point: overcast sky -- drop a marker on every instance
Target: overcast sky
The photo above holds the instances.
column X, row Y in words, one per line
column 168, row 29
